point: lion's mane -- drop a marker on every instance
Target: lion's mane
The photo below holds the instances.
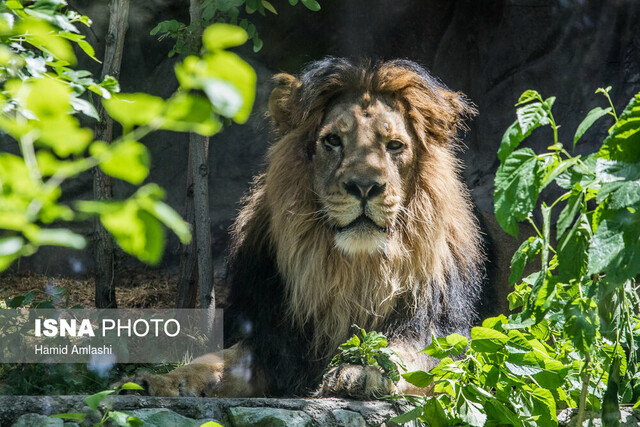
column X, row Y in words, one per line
column 295, row 295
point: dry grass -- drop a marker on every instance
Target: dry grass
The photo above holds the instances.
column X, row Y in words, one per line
column 135, row 288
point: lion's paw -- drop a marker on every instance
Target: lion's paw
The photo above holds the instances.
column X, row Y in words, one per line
column 355, row 381
column 186, row 381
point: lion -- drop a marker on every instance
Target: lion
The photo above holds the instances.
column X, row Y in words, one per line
column 360, row 217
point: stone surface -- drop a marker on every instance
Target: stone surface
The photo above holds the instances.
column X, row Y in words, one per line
column 268, row 417
column 348, row 418
column 36, row 420
column 162, row 417
column 327, row 412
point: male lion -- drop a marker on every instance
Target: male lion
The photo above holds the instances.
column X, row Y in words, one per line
column 360, row 217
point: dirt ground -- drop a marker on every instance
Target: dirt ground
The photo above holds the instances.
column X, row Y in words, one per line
column 135, row 288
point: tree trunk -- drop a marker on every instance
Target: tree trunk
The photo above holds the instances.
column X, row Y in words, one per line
column 102, row 183
column 187, row 280
column 199, row 148
column 197, row 257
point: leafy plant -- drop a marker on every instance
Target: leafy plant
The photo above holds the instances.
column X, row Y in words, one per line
column 369, row 349
column 574, row 341
column 113, row 417
column 38, row 91
column 221, row 11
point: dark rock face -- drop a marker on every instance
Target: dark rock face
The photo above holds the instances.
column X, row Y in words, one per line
column 491, row 50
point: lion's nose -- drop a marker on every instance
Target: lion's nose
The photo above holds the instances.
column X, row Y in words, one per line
column 364, row 190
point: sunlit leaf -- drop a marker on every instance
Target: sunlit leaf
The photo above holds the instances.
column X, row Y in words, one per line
column 517, row 186
column 588, row 121
column 134, row 109
column 223, row 36
column 127, row 160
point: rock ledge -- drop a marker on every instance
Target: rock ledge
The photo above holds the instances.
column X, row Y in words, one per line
column 193, row 411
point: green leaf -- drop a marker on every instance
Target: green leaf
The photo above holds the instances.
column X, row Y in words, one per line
column 228, row 81
column 312, row 5
column 457, row 343
column 43, row 36
column 528, row 96
column 588, row 121
column 525, row 253
column 501, row 413
column 573, row 250
column 544, row 405
column 224, row 97
column 623, row 142
column 127, row 160
column 581, row 324
column 223, row 36
column 517, row 187
column 10, row 245
column 434, row 413
column 131, row 386
column 420, row 379
column 137, row 231
column 84, row 107
column 94, row 400
column 567, row 215
column 70, row 416
column 134, row 109
column 555, row 169
column 172, row 220
column 615, row 245
column 257, row 44
column 10, row 248
column 486, row 340
column 580, row 175
column 517, row 342
column 56, row 237
column 172, row 27
column 471, row 413
column 124, row 420
column 522, row 369
column 438, row 348
column 269, row 7
column 189, row 113
column 413, row 414
column 532, row 116
column 620, row 181
column 511, row 139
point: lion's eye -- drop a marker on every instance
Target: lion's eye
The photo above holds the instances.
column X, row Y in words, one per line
column 331, row 141
column 395, row 145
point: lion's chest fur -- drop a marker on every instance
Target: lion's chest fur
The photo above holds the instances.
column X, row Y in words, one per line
column 331, row 291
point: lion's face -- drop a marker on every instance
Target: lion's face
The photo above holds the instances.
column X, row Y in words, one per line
column 361, row 170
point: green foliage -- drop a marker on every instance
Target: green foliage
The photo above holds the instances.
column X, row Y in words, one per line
column 39, row 94
column 221, row 11
column 574, row 341
column 109, row 417
column 368, row 349
column 50, row 297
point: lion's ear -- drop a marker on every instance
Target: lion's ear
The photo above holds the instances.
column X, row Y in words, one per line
column 281, row 102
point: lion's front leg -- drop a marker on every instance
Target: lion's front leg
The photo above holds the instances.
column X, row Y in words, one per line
column 355, row 381
column 227, row 373
column 368, row 382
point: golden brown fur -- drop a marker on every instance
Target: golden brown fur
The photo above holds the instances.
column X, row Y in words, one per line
column 360, row 217
column 437, row 232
